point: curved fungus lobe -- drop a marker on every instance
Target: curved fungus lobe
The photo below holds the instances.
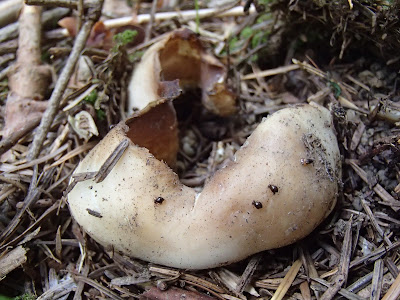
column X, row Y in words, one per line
column 222, row 224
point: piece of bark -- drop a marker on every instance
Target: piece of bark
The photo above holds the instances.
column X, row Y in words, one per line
column 12, row 260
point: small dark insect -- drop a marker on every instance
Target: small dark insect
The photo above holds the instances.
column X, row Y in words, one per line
column 306, row 161
column 257, row 204
column 94, row 213
column 273, row 188
column 159, row 200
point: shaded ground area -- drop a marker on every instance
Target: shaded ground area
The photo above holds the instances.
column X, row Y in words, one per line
column 340, row 54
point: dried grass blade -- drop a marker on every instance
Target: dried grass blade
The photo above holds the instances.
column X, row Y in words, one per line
column 40, row 160
column 271, row 72
column 81, row 284
column 287, row 281
column 12, row 260
column 73, row 153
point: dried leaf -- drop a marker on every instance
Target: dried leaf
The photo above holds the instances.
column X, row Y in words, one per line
column 84, row 125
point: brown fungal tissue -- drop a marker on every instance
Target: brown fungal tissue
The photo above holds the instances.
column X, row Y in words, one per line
column 267, row 197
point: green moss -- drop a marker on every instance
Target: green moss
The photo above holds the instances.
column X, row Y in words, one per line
column 123, row 38
column 91, row 98
column 101, row 115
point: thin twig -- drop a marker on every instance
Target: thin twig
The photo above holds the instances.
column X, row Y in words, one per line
column 72, row 4
column 248, row 272
column 60, row 87
column 271, row 72
column 149, row 27
column 11, row 31
column 111, row 161
column 162, row 16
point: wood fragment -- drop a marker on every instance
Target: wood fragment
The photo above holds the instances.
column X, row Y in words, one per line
column 355, row 140
column 12, row 260
column 9, row 141
column 94, row 213
column 248, row 273
column 377, row 280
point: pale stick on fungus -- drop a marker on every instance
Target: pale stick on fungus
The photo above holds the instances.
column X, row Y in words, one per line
column 281, row 184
